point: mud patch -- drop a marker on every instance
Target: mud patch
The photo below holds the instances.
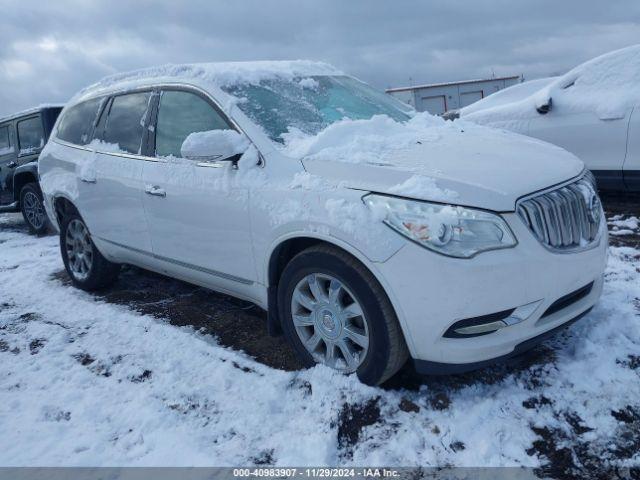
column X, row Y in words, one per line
column 234, row 323
column 353, row 419
column 36, row 345
column 143, row 377
column 570, row 453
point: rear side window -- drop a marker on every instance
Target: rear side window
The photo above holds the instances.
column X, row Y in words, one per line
column 5, row 141
column 180, row 114
column 75, row 127
column 125, row 124
column 30, row 135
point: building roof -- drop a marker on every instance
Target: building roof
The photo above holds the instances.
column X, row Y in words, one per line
column 448, row 84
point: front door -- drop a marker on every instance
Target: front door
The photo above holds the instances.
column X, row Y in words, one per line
column 595, row 136
column 7, row 163
column 198, row 213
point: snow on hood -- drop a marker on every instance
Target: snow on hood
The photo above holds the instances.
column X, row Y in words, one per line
column 608, row 85
column 427, row 158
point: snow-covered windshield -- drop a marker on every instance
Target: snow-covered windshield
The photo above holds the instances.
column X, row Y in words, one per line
column 312, row 103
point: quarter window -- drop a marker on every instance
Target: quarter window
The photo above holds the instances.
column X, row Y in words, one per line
column 182, row 113
column 30, row 135
column 125, row 124
column 5, row 142
column 75, row 127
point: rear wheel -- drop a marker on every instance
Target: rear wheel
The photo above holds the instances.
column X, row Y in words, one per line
column 86, row 266
column 336, row 313
column 33, row 209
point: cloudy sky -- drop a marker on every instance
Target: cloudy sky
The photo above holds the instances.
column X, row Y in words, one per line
column 49, row 50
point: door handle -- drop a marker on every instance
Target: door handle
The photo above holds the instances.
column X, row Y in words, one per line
column 155, row 190
column 86, row 180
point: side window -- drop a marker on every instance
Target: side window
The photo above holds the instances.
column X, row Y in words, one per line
column 180, row 114
column 125, row 124
column 75, row 126
column 5, row 141
column 30, row 135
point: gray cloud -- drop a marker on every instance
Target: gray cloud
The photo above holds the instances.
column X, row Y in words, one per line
column 49, row 51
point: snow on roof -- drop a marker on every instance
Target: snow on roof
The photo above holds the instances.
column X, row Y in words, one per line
column 219, row 74
column 448, row 84
column 31, row 110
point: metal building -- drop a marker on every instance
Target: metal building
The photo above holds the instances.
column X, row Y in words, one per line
column 438, row 98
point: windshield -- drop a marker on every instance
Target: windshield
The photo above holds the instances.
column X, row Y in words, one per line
column 311, row 104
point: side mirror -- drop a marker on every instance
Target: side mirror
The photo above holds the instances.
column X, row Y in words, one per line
column 544, row 106
column 214, row 146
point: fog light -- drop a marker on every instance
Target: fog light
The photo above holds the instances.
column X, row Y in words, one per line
column 485, row 324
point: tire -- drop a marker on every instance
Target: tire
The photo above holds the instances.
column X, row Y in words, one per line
column 85, row 265
column 335, row 322
column 32, row 209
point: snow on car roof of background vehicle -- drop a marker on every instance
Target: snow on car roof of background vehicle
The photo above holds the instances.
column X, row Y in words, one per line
column 607, row 84
column 31, row 110
column 218, row 74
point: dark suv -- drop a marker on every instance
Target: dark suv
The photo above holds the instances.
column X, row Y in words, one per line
column 22, row 137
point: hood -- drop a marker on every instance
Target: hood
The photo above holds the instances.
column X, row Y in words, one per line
column 508, row 95
column 458, row 163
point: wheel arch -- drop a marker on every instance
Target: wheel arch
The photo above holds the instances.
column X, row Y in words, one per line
column 285, row 249
column 63, row 206
column 20, row 179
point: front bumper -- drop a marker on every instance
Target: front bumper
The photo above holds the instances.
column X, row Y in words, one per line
column 431, row 292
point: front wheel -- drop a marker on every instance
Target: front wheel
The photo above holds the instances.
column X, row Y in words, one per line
column 86, row 266
column 33, row 209
column 336, row 313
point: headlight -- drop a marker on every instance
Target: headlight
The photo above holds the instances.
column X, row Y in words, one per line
column 447, row 229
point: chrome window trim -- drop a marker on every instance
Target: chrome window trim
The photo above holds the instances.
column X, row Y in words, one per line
column 153, row 87
column 115, row 154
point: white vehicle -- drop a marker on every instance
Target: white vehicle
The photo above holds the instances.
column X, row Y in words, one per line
column 368, row 232
column 593, row 111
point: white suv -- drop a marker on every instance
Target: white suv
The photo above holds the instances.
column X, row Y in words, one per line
column 368, row 232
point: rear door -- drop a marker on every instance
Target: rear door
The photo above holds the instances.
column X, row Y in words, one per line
column 111, row 178
column 7, row 159
column 30, row 138
column 198, row 213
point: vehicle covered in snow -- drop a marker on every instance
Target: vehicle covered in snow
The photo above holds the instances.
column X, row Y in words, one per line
column 22, row 137
column 370, row 233
column 593, row 111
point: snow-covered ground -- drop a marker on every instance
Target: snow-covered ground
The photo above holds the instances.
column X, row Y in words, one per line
column 86, row 381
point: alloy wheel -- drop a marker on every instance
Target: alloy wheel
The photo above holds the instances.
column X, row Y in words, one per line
column 330, row 322
column 79, row 249
column 34, row 210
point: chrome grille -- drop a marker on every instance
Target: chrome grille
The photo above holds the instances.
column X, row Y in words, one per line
column 566, row 218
